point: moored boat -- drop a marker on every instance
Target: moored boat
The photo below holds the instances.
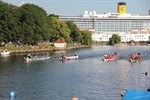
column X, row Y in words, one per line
column 5, row 52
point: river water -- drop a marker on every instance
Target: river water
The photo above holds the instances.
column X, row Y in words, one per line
column 88, row 78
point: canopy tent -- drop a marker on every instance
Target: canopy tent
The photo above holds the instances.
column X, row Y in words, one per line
column 136, row 95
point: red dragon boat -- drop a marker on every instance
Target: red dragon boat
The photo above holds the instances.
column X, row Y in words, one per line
column 135, row 58
column 110, row 57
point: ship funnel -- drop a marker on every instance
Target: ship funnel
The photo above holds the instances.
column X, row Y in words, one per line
column 122, row 8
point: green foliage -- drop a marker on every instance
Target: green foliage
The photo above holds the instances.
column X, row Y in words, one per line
column 86, row 38
column 132, row 41
column 8, row 21
column 52, row 15
column 115, row 39
column 34, row 24
column 31, row 24
column 75, row 35
column 59, row 29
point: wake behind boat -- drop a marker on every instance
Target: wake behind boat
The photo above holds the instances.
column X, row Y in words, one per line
column 32, row 58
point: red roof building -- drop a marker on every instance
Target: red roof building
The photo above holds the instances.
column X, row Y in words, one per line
column 60, row 44
column 60, row 41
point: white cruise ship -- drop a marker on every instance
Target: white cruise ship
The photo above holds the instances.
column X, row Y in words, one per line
column 104, row 25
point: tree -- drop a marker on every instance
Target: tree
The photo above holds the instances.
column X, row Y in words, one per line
column 30, row 24
column 33, row 20
column 75, row 35
column 8, row 21
column 115, row 39
column 52, row 15
column 86, row 37
column 59, row 29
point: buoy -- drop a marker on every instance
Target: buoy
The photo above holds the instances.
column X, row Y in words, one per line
column 75, row 98
column 12, row 94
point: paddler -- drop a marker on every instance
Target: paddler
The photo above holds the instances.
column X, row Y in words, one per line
column 139, row 56
column 132, row 56
column 29, row 55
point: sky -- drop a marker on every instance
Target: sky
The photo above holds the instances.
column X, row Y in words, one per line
column 77, row 7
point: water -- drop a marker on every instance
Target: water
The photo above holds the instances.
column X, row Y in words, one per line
column 88, row 78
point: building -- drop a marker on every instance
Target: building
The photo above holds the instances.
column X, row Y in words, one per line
column 125, row 37
column 60, row 44
column 110, row 23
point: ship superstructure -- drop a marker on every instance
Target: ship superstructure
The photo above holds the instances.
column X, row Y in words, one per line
column 110, row 23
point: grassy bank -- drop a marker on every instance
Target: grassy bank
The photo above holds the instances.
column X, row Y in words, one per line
column 39, row 48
